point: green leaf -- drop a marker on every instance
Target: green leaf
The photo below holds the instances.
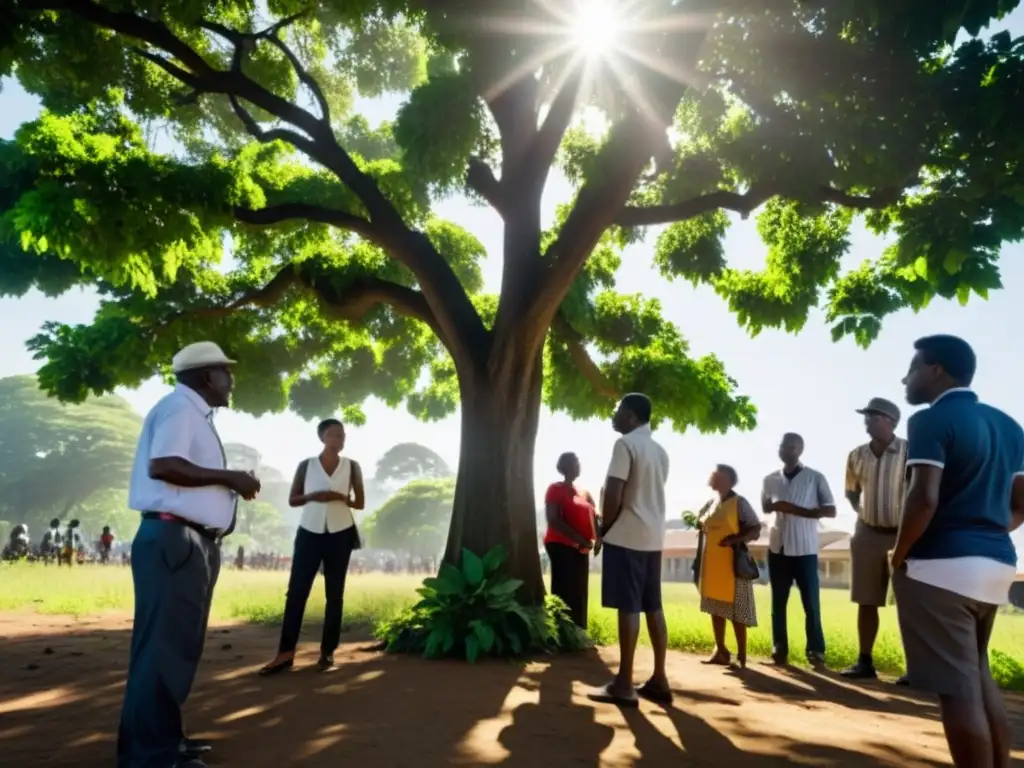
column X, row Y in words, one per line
column 450, row 580
column 472, row 648
column 493, row 559
column 472, row 568
column 963, row 294
column 485, row 634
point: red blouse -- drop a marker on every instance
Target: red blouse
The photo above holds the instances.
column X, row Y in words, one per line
column 576, row 511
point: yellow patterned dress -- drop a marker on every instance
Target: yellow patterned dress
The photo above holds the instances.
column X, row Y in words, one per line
column 721, row 593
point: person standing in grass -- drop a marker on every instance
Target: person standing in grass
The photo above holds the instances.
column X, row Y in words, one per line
column 727, row 522
column 875, row 475
column 188, row 500
column 570, row 538
column 954, row 561
column 327, row 487
column 799, row 497
column 633, row 532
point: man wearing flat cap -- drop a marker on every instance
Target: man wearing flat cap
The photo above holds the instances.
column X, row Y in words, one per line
column 875, row 475
column 187, row 498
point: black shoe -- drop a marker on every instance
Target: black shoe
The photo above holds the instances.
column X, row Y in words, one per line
column 276, row 669
column 904, row 681
column 190, row 762
column 193, row 749
column 862, row 670
column 816, row 658
column 780, row 659
column 325, row 663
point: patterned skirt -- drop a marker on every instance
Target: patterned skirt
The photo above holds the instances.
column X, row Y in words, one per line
column 742, row 610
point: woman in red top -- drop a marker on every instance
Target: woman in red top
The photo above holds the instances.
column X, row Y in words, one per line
column 571, row 535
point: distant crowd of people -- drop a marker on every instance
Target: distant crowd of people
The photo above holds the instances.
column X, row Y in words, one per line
column 361, row 562
column 935, row 512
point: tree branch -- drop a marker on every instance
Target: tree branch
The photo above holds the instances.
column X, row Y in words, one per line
column 745, row 203
column 481, row 179
column 275, row 214
column 556, row 123
column 350, row 302
column 576, row 346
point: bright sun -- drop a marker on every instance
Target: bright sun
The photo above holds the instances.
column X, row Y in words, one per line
column 595, row 26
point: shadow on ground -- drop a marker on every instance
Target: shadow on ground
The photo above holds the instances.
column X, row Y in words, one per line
column 61, row 683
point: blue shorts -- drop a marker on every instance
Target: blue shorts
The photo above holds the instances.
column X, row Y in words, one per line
column 630, row 580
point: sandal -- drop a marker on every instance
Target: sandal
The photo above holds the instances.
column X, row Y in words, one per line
column 275, row 669
column 655, row 694
column 605, row 695
column 719, row 659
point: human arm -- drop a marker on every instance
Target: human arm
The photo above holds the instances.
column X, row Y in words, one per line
column 615, row 485
column 171, row 439
column 766, row 498
column 297, row 496
column 853, row 488
column 750, row 526
column 826, row 505
column 356, row 497
column 926, row 460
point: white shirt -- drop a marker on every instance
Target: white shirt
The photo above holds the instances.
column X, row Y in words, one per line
column 181, row 426
column 791, row 534
column 643, row 464
column 331, row 516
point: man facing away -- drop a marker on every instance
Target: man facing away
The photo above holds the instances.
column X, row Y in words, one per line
column 799, row 497
column 875, row 475
column 633, row 533
column 954, row 562
column 187, row 498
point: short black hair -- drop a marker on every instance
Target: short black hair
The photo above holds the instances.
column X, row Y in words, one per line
column 640, row 406
column 326, row 424
column 952, row 354
column 563, row 461
column 793, row 436
column 729, row 472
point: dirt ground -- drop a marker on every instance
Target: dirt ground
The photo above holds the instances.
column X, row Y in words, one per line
column 61, row 682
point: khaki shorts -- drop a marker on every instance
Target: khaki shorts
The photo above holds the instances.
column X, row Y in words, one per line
column 945, row 636
column 869, row 559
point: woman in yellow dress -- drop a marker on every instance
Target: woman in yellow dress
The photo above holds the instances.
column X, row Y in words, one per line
column 726, row 522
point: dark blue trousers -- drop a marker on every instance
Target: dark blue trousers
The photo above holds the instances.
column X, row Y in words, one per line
column 783, row 572
column 174, row 570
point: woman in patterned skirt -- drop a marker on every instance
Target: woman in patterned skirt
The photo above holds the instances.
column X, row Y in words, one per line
column 726, row 521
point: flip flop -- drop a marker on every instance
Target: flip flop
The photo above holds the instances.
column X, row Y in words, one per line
column 654, row 694
column 604, row 695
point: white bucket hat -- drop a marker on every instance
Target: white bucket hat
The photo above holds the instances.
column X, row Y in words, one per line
column 202, row 354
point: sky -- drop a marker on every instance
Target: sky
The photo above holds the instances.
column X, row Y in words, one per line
column 801, row 383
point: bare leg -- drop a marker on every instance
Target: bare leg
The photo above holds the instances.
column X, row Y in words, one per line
column 629, row 632
column 998, row 722
column 965, row 721
column 740, row 630
column 721, row 654
column 658, row 630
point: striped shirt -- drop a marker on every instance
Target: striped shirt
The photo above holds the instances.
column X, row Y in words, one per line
column 878, row 482
column 791, row 534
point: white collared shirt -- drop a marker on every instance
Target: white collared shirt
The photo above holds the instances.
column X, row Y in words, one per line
column 791, row 534
column 181, row 426
column 330, row 516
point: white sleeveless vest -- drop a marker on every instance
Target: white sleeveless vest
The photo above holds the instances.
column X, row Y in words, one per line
column 333, row 516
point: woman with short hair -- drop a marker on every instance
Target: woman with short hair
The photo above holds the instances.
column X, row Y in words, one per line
column 327, row 487
column 727, row 523
column 570, row 538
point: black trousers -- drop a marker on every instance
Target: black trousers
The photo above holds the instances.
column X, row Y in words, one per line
column 570, row 579
column 333, row 551
column 174, row 570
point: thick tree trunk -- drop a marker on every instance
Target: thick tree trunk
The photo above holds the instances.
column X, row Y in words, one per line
column 494, row 494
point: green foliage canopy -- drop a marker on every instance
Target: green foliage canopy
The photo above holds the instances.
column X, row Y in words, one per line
column 414, row 520
column 409, row 461
column 342, row 283
column 64, row 460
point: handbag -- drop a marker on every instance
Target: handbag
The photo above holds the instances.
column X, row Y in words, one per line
column 699, row 557
column 743, row 564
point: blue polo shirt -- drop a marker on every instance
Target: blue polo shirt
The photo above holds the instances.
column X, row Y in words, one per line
column 979, row 449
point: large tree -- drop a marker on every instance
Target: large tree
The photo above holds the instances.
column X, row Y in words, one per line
column 63, row 460
column 415, row 519
column 404, row 462
column 176, row 130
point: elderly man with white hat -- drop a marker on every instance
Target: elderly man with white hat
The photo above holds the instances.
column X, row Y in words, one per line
column 187, row 497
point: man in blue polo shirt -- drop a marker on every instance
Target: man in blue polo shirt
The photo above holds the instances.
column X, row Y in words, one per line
column 954, row 562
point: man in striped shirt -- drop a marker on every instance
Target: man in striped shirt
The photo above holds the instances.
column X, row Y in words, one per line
column 799, row 497
column 875, row 474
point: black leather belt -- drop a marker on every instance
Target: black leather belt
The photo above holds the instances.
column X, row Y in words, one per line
column 207, row 533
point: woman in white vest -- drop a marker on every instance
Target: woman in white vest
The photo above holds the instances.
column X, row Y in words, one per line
column 327, row 487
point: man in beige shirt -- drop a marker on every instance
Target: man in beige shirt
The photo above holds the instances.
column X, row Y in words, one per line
column 633, row 533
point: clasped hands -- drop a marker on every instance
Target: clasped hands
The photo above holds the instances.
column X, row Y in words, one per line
column 326, row 496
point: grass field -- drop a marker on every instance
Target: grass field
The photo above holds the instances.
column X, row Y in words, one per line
column 258, row 596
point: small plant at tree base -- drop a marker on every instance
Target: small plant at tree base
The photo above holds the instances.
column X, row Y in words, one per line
column 471, row 611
